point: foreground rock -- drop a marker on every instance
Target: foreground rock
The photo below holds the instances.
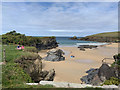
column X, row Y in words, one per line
column 55, row 55
column 98, row 76
column 32, row 65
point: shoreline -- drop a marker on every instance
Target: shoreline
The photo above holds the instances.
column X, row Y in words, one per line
column 72, row 69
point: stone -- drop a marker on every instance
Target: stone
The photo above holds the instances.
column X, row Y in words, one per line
column 98, row 76
column 50, row 75
column 47, row 43
column 88, row 79
column 105, row 72
column 96, row 80
column 55, row 55
column 83, row 47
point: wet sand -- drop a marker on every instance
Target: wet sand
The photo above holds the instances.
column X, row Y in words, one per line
column 72, row 69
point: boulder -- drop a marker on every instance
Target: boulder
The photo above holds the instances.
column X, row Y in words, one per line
column 55, row 55
column 50, row 75
column 47, row 43
column 98, row 76
column 83, row 47
column 89, row 78
column 105, row 72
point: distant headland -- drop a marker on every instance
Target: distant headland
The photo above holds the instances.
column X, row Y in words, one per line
column 101, row 37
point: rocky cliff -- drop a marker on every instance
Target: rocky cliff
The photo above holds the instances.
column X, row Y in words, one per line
column 32, row 64
column 47, row 43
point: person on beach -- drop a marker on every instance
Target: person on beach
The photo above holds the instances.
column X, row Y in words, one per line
column 72, row 56
column 22, row 47
column 18, row 46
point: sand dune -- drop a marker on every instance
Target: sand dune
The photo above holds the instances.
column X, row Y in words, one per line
column 72, row 69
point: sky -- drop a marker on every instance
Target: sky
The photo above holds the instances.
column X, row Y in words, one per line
column 59, row 18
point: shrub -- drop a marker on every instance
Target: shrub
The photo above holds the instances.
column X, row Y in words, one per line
column 13, row 76
column 29, row 56
column 31, row 49
column 111, row 81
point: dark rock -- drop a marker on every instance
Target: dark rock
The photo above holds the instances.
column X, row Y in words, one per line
column 50, row 75
column 96, row 80
column 105, row 72
column 47, row 43
column 98, row 76
column 87, row 46
column 33, row 67
column 83, row 47
column 55, row 55
column 74, row 38
column 91, row 73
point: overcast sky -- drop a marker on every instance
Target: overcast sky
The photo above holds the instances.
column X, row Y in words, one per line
column 60, row 19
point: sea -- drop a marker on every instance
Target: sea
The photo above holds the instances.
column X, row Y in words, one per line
column 66, row 41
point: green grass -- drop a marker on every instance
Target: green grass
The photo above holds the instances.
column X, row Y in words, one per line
column 12, row 53
column 106, row 34
column 112, row 81
column 13, row 76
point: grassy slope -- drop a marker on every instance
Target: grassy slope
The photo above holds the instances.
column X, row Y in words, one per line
column 13, row 75
column 107, row 34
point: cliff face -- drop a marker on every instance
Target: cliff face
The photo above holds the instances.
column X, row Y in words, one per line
column 47, row 43
column 32, row 65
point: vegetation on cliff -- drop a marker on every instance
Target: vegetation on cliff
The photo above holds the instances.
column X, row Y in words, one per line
column 16, row 38
column 102, row 37
column 116, row 64
column 13, row 75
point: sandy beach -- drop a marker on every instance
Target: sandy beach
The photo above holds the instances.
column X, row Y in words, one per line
column 72, row 69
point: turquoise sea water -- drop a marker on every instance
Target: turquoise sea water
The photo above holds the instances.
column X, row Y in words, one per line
column 66, row 41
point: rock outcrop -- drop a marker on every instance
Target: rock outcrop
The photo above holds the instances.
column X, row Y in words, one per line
column 55, row 55
column 83, row 47
column 105, row 72
column 32, row 65
column 47, row 43
column 98, row 76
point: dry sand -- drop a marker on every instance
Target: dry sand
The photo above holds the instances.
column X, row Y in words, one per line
column 72, row 69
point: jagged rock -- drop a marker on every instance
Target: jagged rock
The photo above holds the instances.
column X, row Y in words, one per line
column 91, row 73
column 98, row 76
column 34, row 68
column 105, row 72
column 50, row 75
column 55, row 55
column 47, row 43
column 96, row 80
